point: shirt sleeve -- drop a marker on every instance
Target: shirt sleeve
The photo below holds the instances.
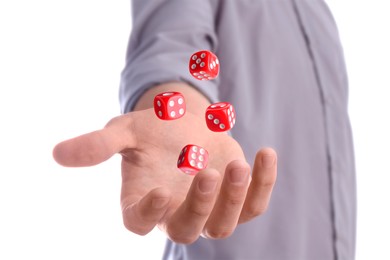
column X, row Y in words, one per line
column 164, row 35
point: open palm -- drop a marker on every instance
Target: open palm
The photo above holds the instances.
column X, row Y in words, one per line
column 156, row 192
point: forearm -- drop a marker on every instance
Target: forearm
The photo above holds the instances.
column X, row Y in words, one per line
column 196, row 102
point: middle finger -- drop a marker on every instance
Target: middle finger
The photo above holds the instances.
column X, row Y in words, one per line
column 186, row 224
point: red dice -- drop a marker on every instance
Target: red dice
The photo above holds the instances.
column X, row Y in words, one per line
column 220, row 117
column 204, row 65
column 169, row 105
column 192, row 159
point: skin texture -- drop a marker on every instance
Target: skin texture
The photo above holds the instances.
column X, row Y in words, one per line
column 155, row 192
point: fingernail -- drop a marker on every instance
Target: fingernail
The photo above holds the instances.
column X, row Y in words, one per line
column 159, row 203
column 207, row 185
column 268, row 161
column 237, row 176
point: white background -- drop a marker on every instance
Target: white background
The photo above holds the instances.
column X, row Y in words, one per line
column 59, row 75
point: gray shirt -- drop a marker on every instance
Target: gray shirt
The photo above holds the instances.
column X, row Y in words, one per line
column 282, row 67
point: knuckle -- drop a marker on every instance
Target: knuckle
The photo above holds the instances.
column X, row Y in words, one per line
column 198, row 210
column 179, row 237
column 142, row 231
column 234, row 201
column 132, row 223
column 263, row 185
column 252, row 212
column 219, row 233
column 269, row 183
column 234, row 195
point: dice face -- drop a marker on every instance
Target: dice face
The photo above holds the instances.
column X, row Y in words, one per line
column 192, row 159
column 220, row 117
column 204, row 65
column 169, row 105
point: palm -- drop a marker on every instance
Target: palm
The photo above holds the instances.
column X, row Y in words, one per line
column 156, row 192
column 153, row 161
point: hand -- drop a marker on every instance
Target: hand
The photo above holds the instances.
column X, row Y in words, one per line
column 156, row 192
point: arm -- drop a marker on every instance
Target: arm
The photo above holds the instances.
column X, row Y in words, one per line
column 154, row 192
column 164, row 35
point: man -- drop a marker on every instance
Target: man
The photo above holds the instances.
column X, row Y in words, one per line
column 281, row 66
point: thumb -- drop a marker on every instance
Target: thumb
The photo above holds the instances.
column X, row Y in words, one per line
column 95, row 147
